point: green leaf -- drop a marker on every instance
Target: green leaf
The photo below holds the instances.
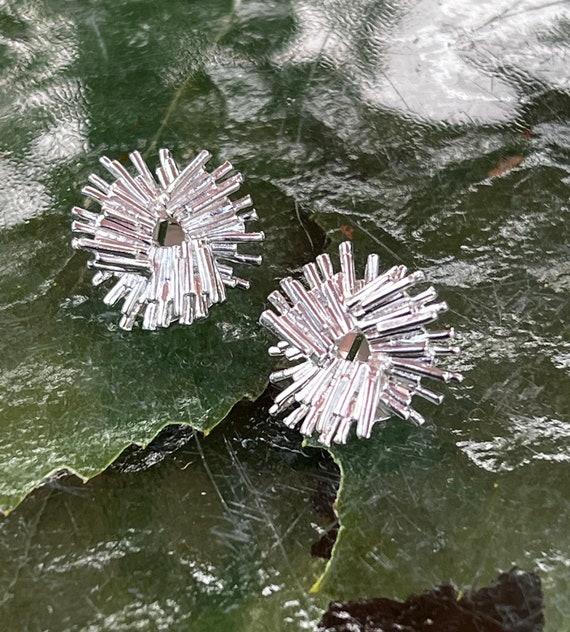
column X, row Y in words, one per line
column 316, row 104
column 76, row 390
column 479, row 208
column 216, row 536
column 415, row 513
column 480, row 488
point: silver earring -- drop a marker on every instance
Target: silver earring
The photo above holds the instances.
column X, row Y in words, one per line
column 361, row 345
column 168, row 243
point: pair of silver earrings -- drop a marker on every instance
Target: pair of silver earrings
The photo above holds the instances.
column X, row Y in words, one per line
column 169, row 243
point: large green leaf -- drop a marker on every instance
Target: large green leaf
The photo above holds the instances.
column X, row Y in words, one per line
column 485, row 484
column 344, row 109
column 214, row 537
column 482, row 208
column 76, row 390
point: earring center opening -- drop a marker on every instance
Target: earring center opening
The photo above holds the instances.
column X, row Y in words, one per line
column 168, row 233
column 354, row 347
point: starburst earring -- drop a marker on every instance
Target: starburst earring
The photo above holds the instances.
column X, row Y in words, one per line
column 168, row 243
column 361, row 345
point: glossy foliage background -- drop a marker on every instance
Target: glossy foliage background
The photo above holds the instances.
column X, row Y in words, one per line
column 435, row 134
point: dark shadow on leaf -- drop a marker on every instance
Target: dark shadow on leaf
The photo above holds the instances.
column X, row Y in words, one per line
column 322, row 500
column 511, row 604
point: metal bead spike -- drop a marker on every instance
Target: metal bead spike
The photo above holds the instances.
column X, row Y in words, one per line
column 361, row 345
column 168, row 242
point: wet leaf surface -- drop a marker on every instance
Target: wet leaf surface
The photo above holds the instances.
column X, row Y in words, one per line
column 76, row 390
column 399, row 127
column 192, row 533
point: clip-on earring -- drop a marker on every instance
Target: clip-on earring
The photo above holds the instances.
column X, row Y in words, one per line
column 168, row 245
column 361, row 345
